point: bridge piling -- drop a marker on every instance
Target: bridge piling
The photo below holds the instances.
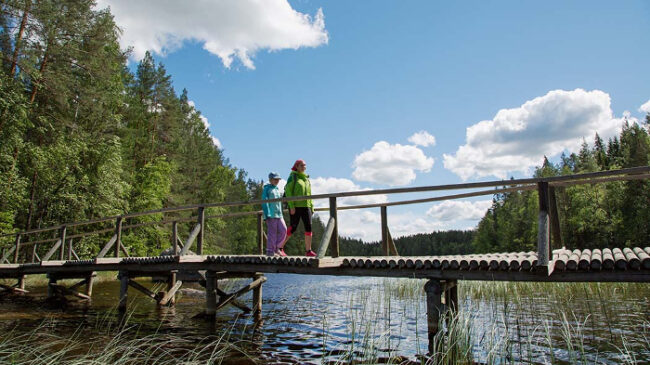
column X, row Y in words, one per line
column 434, row 289
column 210, row 294
column 124, row 289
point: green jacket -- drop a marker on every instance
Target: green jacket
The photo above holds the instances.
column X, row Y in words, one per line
column 298, row 185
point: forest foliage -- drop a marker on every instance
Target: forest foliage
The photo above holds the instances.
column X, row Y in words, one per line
column 83, row 135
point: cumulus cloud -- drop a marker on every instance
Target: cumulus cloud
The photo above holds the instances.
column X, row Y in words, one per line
column 422, row 138
column 459, row 210
column 327, row 185
column 229, row 29
column 390, row 164
column 645, row 108
column 517, row 139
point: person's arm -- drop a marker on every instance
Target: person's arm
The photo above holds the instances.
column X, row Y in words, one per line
column 266, row 210
column 288, row 191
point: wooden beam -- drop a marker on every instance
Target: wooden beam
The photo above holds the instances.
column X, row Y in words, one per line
column 260, row 232
column 134, row 284
column 233, row 302
column 543, row 239
column 210, row 293
column 555, row 218
column 384, row 230
column 51, row 251
column 195, row 232
column 107, row 247
column 334, row 239
column 17, row 248
column 170, row 294
column 62, row 239
column 5, row 257
column 226, row 300
column 124, row 291
column 66, row 291
column 434, row 290
column 12, row 289
column 174, row 238
column 201, row 224
column 326, row 239
column 118, row 236
column 257, row 299
column 391, row 244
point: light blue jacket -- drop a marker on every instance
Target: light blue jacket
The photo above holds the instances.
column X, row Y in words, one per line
column 271, row 210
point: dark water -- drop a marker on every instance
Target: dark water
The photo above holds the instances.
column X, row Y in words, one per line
column 323, row 319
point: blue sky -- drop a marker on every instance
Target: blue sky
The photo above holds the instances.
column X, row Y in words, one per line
column 328, row 81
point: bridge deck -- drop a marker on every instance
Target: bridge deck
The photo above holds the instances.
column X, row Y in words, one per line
column 628, row 264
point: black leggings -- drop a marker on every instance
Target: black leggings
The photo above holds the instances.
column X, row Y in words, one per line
column 303, row 213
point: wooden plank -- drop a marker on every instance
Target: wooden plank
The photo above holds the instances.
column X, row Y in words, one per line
column 225, row 300
column 118, row 236
column 326, row 239
column 107, row 246
column 170, row 293
column 556, row 232
column 195, row 232
column 174, row 238
column 16, row 248
column 13, row 289
column 260, row 234
column 5, row 257
column 65, row 291
column 142, row 289
column 51, row 251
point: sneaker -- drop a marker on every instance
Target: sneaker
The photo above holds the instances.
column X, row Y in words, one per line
column 280, row 252
column 310, row 253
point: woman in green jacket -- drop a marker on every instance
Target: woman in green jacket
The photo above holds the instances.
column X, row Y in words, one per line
column 298, row 185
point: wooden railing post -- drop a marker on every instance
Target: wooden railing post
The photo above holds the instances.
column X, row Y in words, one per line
column 543, row 237
column 17, row 248
column 175, row 238
column 556, row 232
column 70, row 249
column 118, row 236
column 62, row 248
column 384, row 230
column 201, row 221
column 334, row 240
column 260, row 234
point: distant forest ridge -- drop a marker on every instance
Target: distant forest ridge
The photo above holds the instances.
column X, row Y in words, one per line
column 81, row 137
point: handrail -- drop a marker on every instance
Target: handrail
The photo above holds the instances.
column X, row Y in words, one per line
column 555, row 179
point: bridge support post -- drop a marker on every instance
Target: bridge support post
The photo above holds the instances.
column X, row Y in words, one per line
column 434, row 289
column 543, row 236
column 210, row 294
column 50, row 287
column 124, row 289
column 257, row 299
column 89, row 284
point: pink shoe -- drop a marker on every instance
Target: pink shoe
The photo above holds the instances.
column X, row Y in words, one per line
column 280, row 252
column 310, row 253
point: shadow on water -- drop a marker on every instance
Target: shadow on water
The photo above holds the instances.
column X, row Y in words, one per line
column 335, row 320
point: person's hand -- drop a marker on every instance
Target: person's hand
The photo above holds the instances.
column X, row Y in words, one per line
column 292, row 211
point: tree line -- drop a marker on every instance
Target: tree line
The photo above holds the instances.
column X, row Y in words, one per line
column 613, row 214
column 82, row 136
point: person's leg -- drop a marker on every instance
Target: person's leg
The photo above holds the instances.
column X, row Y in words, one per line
column 272, row 236
column 306, row 221
column 282, row 235
column 294, row 219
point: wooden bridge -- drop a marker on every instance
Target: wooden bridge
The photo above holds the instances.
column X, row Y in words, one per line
column 60, row 260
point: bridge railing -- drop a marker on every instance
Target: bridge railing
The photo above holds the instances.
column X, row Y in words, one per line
column 63, row 249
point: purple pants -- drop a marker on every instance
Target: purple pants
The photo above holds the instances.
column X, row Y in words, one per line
column 277, row 231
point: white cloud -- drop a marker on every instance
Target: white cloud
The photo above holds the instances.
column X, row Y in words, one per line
column 645, row 108
column 422, row 138
column 459, row 210
column 517, row 139
column 390, row 164
column 216, row 142
column 327, row 185
column 228, row 29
